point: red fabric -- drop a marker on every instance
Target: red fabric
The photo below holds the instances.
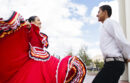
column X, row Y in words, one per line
column 18, row 67
column 37, row 72
column 71, row 70
column 62, row 69
column 13, row 53
column 37, row 45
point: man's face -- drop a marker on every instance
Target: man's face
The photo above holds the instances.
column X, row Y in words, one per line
column 101, row 15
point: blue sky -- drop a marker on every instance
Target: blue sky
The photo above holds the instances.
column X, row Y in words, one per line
column 70, row 24
column 89, row 3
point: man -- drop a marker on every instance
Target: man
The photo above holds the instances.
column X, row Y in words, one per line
column 113, row 46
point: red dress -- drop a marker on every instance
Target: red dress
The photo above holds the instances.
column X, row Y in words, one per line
column 24, row 60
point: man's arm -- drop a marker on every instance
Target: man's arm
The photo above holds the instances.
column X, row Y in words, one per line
column 115, row 30
column 121, row 40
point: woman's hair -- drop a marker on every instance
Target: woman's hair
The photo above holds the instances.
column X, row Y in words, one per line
column 107, row 8
column 31, row 19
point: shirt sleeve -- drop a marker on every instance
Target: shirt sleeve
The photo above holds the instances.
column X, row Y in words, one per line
column 121, row 39
column 115, row 30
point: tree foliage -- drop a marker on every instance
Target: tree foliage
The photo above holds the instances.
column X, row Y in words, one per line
column 84, row 56
column 98, row 64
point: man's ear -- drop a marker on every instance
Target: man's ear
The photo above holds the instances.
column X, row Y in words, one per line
column 105, row 12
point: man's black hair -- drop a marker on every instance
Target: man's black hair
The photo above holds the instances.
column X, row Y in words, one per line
column 107, row 8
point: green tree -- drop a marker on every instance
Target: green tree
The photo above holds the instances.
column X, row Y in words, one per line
column 84, row 56
column 98, row 64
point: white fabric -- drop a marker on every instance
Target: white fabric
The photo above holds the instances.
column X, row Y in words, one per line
column 112, row 40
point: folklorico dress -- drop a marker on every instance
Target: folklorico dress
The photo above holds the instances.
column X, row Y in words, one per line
column 24, row 60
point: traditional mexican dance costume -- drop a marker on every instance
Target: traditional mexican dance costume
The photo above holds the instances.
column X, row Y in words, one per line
column 23, row 58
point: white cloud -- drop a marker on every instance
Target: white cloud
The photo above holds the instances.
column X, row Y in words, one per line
column 78, row 9
column 115, row 11
column 61, row 46
column 89, row 44
column 94, row 52
column 93, row 49
column 64, row 28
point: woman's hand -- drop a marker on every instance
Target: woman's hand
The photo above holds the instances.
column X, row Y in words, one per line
column 28, row 24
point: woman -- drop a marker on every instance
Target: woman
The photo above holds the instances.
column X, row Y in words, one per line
column 24, row 60
column 35, row 20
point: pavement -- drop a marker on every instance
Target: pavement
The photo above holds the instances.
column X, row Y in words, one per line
column 123, row 82
column 89, row 79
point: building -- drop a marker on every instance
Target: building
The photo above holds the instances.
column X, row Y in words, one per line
column 98, row 58
column 124, row 18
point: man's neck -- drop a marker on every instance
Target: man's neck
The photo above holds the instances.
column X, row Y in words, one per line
column 105, row 19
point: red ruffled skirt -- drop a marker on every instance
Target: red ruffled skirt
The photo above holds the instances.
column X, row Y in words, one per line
column 17, row 67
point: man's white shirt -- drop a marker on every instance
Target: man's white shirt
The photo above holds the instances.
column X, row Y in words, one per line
column 112, row 40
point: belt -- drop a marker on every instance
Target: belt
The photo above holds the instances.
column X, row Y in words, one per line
column 107, row 59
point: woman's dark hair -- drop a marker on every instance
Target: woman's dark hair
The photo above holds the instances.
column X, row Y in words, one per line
column 107, row 8
column 31, row 19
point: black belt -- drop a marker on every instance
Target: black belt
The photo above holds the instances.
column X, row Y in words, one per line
column 107, row 59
